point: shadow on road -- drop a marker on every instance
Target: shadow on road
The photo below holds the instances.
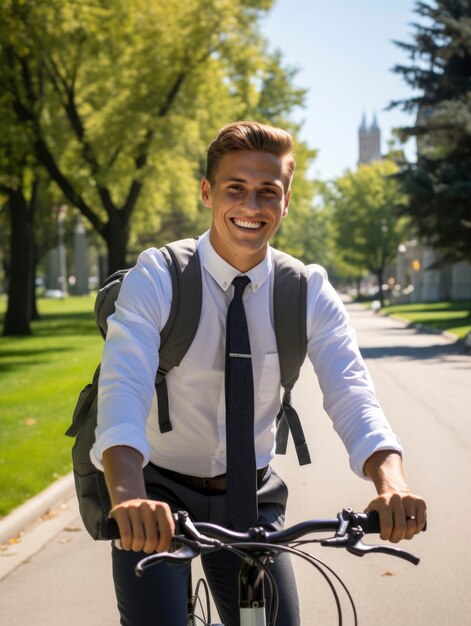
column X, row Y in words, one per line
column 437, row 351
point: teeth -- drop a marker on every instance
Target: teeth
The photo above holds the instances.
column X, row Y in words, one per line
column 244, row 224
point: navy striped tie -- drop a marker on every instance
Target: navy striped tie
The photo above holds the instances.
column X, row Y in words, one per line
column 241, row 496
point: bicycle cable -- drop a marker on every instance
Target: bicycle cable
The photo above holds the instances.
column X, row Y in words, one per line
column 205, row 620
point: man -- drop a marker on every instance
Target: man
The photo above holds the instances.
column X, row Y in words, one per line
column 247, row 186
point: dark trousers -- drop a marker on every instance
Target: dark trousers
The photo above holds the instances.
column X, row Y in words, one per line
column 159, row 598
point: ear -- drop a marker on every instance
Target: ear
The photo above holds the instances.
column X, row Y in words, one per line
column 206, row 193
column 287, row 199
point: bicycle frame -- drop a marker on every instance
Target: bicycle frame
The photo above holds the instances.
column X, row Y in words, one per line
column 252, row 594
column 251, row 598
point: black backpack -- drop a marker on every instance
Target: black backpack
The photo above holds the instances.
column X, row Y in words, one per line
column 290, row 289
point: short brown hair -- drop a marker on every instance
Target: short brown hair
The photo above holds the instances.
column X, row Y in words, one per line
column 250, row 136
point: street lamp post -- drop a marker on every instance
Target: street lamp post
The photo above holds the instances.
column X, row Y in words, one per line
column 401, row 266
column 61, row 213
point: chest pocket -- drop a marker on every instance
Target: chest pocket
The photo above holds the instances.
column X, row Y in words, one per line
column 269, row 386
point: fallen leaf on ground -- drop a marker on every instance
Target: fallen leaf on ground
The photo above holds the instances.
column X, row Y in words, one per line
column 49, row 515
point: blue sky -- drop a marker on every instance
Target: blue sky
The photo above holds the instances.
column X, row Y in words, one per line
column 344, row 51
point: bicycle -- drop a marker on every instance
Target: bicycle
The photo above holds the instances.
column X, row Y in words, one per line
column 257, row 548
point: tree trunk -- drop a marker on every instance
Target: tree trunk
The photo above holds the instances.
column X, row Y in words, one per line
column 116, row 236
column 18, row 315
column 358, row 283
column 379, row 278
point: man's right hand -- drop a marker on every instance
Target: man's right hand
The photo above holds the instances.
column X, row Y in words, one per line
column 144, row 525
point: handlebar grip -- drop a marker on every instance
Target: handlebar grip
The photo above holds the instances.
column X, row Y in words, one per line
column 370, row 522
column 111, row 530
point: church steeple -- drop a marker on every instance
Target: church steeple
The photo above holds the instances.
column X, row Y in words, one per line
column 369, row 139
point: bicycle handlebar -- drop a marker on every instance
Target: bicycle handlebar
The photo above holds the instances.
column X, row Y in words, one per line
column 194, row 538
column 368, row 522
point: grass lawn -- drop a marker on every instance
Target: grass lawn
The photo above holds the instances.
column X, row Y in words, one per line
column 41, row 377
column 453, row 317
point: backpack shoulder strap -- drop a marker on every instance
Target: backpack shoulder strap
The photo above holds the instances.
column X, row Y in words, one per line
column 106, row 300
column 290, row 286
column 178, row 333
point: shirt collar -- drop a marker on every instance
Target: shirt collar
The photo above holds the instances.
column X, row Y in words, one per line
column 223, row 273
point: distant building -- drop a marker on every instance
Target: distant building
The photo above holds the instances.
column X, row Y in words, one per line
column 369, row 141
column 423, row 282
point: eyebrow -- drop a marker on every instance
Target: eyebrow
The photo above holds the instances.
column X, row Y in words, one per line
column 267, row 183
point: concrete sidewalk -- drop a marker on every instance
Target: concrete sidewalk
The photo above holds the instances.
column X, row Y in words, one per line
column 52, row 573
column 33, row 524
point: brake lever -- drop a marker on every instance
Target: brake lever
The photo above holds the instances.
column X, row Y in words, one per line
column 360, row 549
column 350, row 534
column 188, row 542
column 186, row 527
column 183, row 554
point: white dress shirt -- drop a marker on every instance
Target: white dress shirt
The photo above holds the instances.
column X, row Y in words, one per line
column 196, row 445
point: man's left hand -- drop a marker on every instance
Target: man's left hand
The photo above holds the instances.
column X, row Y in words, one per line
column 402, row 514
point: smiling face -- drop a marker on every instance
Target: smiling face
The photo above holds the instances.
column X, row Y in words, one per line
column 248, row 196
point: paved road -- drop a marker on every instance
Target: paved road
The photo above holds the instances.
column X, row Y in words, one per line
column 423, row 382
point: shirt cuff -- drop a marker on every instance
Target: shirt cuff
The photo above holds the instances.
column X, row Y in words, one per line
column 121, row 435
column 368, row 445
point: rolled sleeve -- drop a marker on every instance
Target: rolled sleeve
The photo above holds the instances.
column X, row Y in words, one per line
column 120, row 435
column 366, row 446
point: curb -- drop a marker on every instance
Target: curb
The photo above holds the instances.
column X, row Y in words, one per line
column 26, row 514
column 423, row 328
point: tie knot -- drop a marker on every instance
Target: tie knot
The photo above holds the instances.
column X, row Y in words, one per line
column 240, row 283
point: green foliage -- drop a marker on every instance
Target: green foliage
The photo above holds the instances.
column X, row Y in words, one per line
column 119, row 102
column 439, row 184
column 41, row 377
column 363, row 205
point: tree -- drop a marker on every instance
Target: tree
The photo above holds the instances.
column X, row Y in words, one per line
column 438, row 185
column 119, row 102
column 367, row 231
column 18, row 187
column 26, row 216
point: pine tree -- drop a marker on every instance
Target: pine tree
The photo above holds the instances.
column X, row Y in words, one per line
column 439, row 183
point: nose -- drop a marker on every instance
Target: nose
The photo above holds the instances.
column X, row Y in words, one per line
column 252, row 201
